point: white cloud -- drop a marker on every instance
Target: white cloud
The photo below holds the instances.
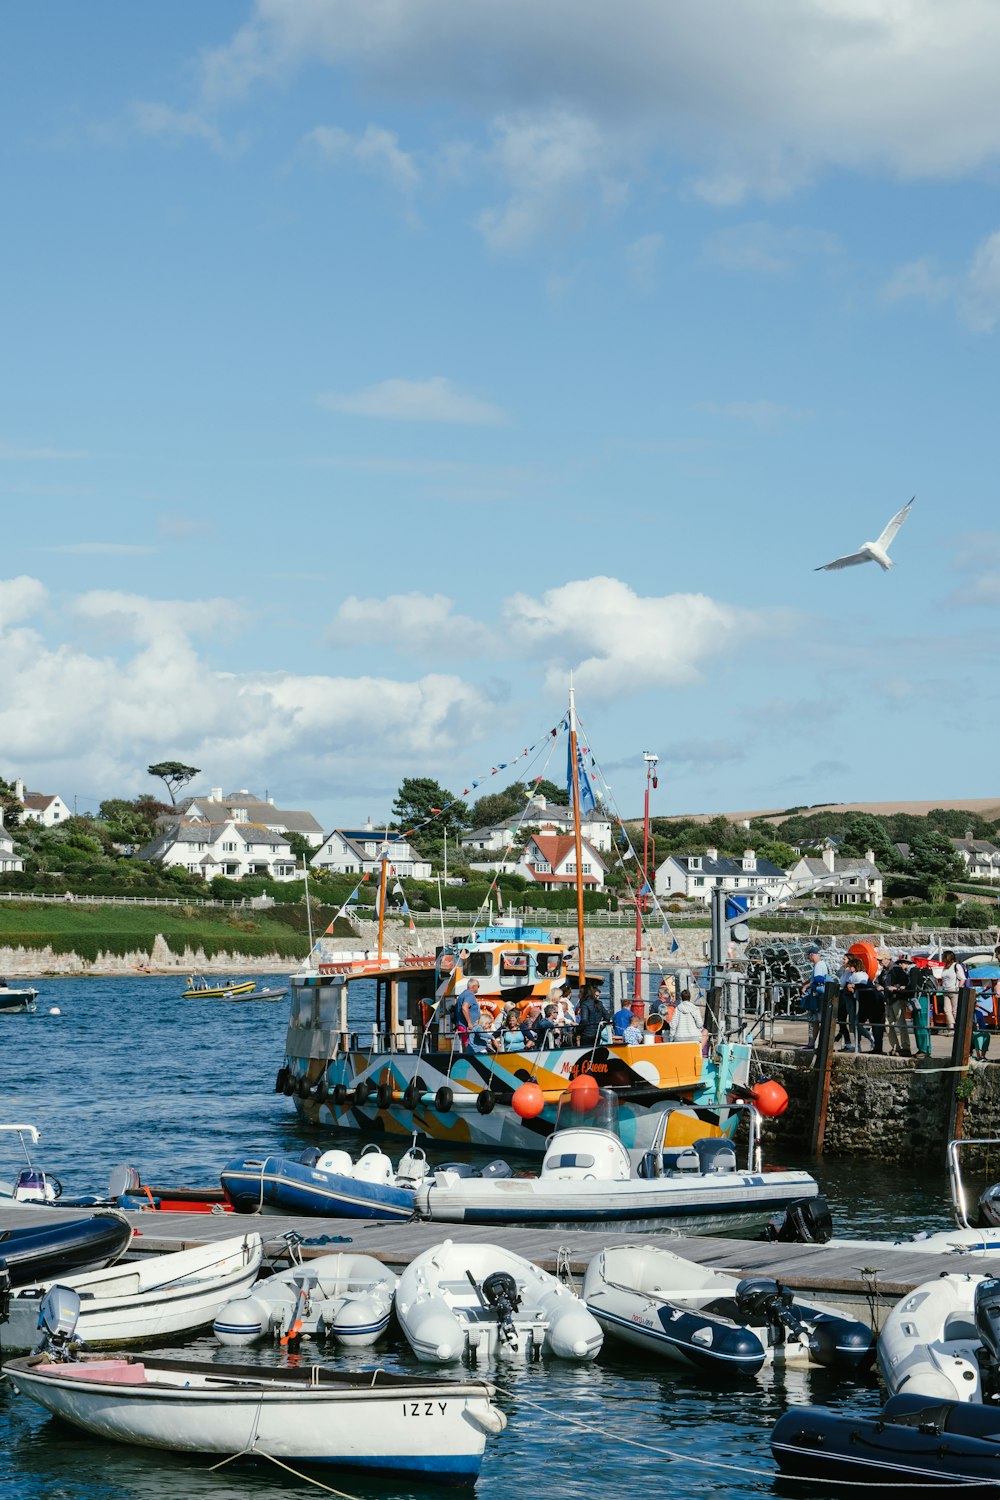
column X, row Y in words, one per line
column 161, row 121
column 756, row 96
column 102, row 717
column 375, row 149
column 918, row 280
column 617, row 642
column 434, row 400
column 979, row 299
column 415, row 624
column 642, row 259
column 768, row 247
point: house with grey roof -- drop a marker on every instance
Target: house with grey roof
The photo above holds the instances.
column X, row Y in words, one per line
column 244, row 807
column 848, row 881
column 498, row 838
column 980, row 858
column 359, row 851
column 696, row 875
column 230, row 848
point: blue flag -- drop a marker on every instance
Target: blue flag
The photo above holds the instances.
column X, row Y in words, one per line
column 588, row 802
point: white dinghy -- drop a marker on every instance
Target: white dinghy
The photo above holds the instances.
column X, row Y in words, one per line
column 590, row 1177
column 309, row 1415
column 344, row 1297
column 672, row 1308
column 462, row 1301
column 152, row 1298
column 943, row 1340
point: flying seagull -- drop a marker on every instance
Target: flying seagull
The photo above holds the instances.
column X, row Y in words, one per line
column 872, row 551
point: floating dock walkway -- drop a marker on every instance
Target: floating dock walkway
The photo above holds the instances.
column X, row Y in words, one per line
column 867, row 1282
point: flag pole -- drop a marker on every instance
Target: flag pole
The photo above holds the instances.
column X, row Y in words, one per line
column 577, row 836
column 309, row 920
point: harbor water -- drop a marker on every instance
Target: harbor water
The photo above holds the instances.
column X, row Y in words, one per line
column 129, row 1072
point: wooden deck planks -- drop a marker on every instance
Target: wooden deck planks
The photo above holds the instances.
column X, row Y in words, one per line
column 818, row 1269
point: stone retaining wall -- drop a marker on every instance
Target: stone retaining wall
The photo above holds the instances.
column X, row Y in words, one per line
column 34, row 963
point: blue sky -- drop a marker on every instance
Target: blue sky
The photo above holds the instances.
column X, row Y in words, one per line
column 368, row 366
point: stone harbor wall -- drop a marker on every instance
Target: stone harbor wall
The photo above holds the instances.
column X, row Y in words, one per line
column 881, row 1108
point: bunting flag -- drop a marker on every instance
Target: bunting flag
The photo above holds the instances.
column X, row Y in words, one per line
column 647, row 889
column 588, row 802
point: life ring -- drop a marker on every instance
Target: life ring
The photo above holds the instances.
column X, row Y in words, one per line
column 868, row 956
column 281, row 1080
column 340, row 1092
column 447, row 963
column 362, row 1091
column 492, row 1008
column 411, row 1096
column 383, row 1095
column 486, row 1101
column 444, row 1099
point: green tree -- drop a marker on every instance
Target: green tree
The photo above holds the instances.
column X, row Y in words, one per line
column 496, row 806
column 931, row 855
column 12, row 806
column 780, row 854
column 864, row 832
column 422, row 801
column 557, row 795
column 174, row 774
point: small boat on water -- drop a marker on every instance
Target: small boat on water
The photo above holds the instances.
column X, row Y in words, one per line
column 126, row 1189
column 231, row 989
column 345, row 1297
column 915, row 1440
column 44, row 1252
column 309, row 1415
column 463, row 1301
column 16, row 1002
column 332, row 1183
column 942, row 1341
column 150, row 1298
column 717, row 1324
column 589, row 1176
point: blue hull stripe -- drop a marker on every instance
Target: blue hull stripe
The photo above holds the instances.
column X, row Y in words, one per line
column 682, row 1346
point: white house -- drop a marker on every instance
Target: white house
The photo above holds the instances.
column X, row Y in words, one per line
column 696, row 875
column 230, row 848
column 40, row 807
column 980, row 858
column 549, row 859
column 358, row 851
column 10, row 863
column 244, row 807
column 495, row 838
column 858, row 882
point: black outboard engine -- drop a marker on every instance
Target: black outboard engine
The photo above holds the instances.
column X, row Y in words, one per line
column 989, row 1208
column 499, row 1295
column 763, row 1303
column 310, row 1156
column 807, row 1222
column 987, row 1317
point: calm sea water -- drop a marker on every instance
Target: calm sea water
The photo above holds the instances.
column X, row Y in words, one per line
column 130, row 1072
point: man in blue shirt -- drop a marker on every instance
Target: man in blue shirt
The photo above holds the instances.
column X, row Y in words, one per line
column 467, row 1016
column 622, row 1021
column 814, row 992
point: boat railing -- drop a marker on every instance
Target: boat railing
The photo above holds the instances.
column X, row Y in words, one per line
column 959, row 1202
column 754, row 1160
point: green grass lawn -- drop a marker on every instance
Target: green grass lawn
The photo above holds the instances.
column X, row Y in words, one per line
column 89, row 928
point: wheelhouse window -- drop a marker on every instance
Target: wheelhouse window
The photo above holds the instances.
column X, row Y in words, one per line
column 514, row 968
column 546, row 964
column 479, row 963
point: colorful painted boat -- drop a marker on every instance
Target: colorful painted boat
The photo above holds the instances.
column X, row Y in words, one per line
column 371, row 1046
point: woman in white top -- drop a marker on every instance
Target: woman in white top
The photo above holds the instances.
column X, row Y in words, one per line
column 951, row 981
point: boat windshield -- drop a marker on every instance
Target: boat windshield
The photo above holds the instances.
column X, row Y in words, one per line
column 594, row 1107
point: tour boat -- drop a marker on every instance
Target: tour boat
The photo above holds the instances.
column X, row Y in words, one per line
column 463, row 1301
column 713, row 1323
column 372, row 1045
column 344, row 1297
column 154, row 1297
column 589, row 1176
column 307, row 1415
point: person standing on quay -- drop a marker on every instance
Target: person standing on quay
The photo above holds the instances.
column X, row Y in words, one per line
column 871, row 1008
column 953, row 978
column 894, row 984
column 814, row 991
column 921, row 986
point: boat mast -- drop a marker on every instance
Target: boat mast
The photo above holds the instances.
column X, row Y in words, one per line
column 577, row 835
column 641, row 897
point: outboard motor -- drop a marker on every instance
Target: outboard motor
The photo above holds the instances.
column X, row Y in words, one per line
column 989, row 1208
column 807, row 1222
column 764, row 1303
column 310, row 1156
column 499, row 1295
column 496, row 1169
column 58, row 1315
column 986, row 1307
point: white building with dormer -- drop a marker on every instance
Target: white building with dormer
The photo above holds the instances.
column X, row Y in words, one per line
column 244, row 806
column 232, row 849
column 847, row 880
column 10, row 863
column 695, row 876
column 496, row 838
column 46, row 808
column 359, row 851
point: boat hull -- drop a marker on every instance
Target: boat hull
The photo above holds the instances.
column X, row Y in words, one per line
column 934, row 1444
column 141, row 1302
column 277, row 1184
column 45, row 1252
column 375, row 1422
